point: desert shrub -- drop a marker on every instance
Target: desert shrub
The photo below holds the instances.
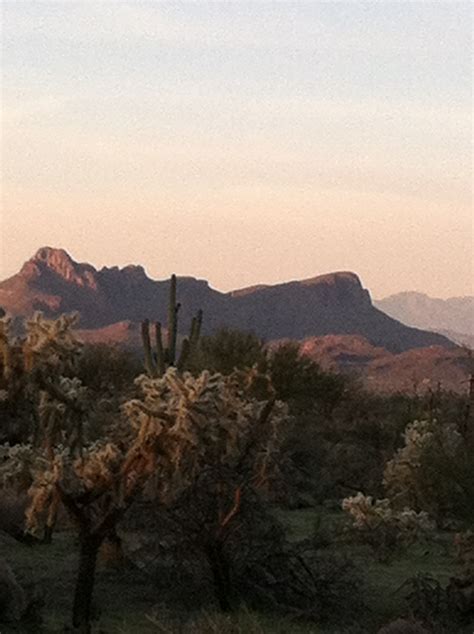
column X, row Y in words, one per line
column 298, row 580
column 108, row 369
column 427, row 599
column 297, row 379
column 228, row 350
column 267, row 573
column 460, row 597
column 177, row 546
column 300, row 381
column 341, row 436
column 335, row 455
column 440, row 607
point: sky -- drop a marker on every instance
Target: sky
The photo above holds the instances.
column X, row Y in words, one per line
column 242, row 142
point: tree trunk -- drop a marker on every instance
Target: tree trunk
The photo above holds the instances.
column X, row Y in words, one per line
column 81, row 615
column 221, row 575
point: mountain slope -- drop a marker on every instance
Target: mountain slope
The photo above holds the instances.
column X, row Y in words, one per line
column 417, row 370
column 337, row 303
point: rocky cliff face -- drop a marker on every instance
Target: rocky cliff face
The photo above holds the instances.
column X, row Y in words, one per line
column 337, row 303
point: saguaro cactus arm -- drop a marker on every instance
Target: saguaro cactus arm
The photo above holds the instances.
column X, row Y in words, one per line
column 173, row 309
column 149, row 365
column 160, row 352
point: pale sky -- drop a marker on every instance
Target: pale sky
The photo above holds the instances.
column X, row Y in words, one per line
column 242, row 142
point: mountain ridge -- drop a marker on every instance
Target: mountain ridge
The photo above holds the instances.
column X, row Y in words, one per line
column 334, row 303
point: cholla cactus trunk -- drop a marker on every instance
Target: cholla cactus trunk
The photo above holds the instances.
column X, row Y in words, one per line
column 82, row 606
column 221, row 575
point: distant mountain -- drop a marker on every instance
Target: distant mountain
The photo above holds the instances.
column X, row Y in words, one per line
column 452, row 317
column 459, row 338
column 334, row 304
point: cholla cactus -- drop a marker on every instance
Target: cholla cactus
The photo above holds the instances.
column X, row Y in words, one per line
column 428, row 445
column 11, row 360
column 180, row 426
column 231, row 445
column 42, row 408
column 33, row 367
column 61, row 410
column 212, row 419
column 51, row 343
column 368, row 513
column 383, row 527
column 18, row 463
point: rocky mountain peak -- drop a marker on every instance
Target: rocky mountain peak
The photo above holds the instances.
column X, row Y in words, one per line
column 59, row 262
column 57, row 259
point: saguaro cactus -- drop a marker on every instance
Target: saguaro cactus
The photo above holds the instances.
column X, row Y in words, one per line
column 159, row 358
column 173, row 310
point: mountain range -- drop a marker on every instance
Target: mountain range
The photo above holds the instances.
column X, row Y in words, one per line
column 51, row 281
column 332, row 316
column 453, row 317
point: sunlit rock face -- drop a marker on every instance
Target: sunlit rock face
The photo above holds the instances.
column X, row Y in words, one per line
column 60, row 262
